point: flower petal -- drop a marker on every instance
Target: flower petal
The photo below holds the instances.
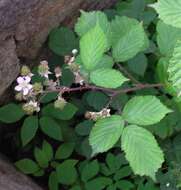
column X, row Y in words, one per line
column 27, row 79
column 29, row 86
column 18, row 88
column 25, row 91
column 20, row 80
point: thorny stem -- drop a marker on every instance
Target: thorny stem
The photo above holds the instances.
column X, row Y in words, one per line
column 110, row 92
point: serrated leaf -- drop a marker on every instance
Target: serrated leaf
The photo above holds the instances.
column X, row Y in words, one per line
column 50, row 128
column 106, row 133
column 90, row 170
column 48, row 150
column 124, row 184
column 97, row 100
column 113, row 162
column 53, row 181
column 144, row 110
column 64, row 151
column 66, row 172
column 84, row 128
column 108, row 78
column 62, row 41
column 138, row 64
column 11, row 113
column 167, row 36
column 142, row 151
column 40, row 157
column 98, row 183
column 122, row 173
column 128, row 38
column 49, row 97
column 88, row 20
column 29, row 129
column 174, row 66
column 92, row 47
column 27, row 166
column 169, row 11
column 105, row 62
column 66, row 114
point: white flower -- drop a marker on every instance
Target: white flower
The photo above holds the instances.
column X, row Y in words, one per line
column 24, row 85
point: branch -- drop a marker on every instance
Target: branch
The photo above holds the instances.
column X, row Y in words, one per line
column 110, row 92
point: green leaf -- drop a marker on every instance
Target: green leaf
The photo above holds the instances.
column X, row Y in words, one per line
column 48, row 150
column 62, row 41
column 90, row 170
column 125, row 184
column 53, row 181
column 174, row 66
column 45, row 155
column 122, row 173
column 11, row 113
column 88, row 20
column 67, row 78
column 169, row 11
column 66, row 114
column 40, row 157
column 98, row 183
column 138, row 64
column 108, row 78
column 51, row 128
column 128, row 38
column 66, row 172
column 84, row 128
column 144, row 110
column 64, row 151
column 49, row 97
column 142, row 151
column 92, row 47
column 106, row 133
column 27, row 166
column 167, row 36
column 29, row 129
column 97, row 100
column 39, row 173
column 113, row 162
column 105, row 62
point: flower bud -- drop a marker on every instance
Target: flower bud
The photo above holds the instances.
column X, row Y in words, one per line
column 58, row 72
column 74, row 51
column 19, row 96
column 43, row 69
column 60, row 103
column 25, row 70
column 37, row 88
column 31, row 107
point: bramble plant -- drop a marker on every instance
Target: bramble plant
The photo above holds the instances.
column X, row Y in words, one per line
column 92, row 85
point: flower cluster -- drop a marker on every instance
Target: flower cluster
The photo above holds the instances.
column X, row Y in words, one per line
column 97, row 115
column 74, row 67
column 31, row 93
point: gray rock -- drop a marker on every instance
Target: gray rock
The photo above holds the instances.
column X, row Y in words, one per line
column 11, row 179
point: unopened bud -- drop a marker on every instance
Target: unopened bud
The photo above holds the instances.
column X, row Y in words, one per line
column 25, row 70
column 19, row 96
column 74, row 51
column 58, row 72
column 31, row 107
column 37, row 88
column 43, row 69
column 60, row 103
